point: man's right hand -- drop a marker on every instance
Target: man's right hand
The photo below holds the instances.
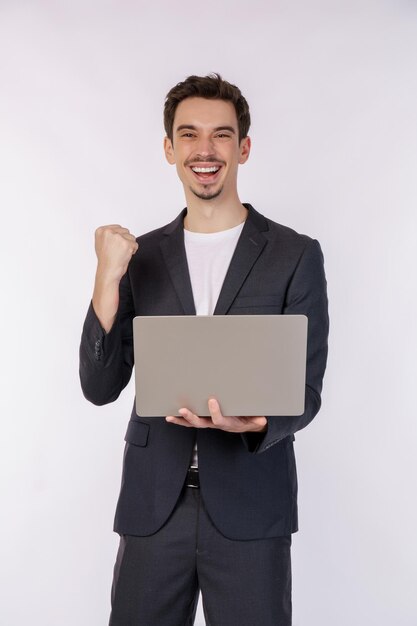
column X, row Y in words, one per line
column 114, row 246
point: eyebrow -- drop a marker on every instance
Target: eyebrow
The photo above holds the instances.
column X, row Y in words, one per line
column 191, row 127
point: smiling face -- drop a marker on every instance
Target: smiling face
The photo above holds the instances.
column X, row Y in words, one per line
column 205, row 148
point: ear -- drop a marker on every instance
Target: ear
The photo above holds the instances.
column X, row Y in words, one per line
column 245, row 146
column 169, row 151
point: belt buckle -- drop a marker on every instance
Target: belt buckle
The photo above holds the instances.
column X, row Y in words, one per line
column 192, row 479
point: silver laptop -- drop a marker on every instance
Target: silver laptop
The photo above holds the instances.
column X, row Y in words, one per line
column 252, row 364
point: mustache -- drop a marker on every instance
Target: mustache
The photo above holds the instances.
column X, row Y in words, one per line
column 199, row 159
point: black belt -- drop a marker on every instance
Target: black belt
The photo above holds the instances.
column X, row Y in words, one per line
column 192, row 479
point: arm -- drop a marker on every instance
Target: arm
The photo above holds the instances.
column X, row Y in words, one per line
column 306, row 294
column 106, row 350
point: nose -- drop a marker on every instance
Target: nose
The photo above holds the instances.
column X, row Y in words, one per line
column 205, row 146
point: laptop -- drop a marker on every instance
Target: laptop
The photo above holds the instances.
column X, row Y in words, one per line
column 252, row 364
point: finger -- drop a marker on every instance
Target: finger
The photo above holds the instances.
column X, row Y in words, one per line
column 120, row 229
column 257, row 422
column 99, row 229
column 128, row 236
column 215, row 412
column 180, row 421
column 131, row 239
column 114, row 228
column 193, row 419
column 196, row 420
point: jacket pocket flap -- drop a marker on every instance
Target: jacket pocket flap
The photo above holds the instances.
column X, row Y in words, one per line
column 137, row 433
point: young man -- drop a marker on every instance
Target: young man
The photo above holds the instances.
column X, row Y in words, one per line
column 205, row 503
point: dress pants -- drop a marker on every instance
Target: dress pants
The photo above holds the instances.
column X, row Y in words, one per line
column 157, row 578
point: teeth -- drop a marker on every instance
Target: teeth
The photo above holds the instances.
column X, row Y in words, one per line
column 204, row 170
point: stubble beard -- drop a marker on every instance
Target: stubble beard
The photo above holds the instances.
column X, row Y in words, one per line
column 207, row 195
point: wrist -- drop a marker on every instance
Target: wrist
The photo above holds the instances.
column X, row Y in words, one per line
column 106, row 301
column 107, row 278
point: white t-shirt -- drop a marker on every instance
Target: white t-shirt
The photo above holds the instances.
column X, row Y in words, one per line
column 208, row 258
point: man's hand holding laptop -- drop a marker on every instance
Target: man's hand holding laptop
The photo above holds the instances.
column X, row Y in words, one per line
column 231, row 424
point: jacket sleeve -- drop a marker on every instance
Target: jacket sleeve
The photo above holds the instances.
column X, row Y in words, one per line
column 307, row 295
column 106, row 359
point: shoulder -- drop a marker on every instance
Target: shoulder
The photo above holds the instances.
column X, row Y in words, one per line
column 286, row 233
column 279, row 234
column 151, row 237
column 156, row 235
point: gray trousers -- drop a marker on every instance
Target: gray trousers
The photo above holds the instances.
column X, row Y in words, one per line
column 157, row 578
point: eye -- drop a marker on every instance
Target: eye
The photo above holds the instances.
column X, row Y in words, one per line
column 187, row 135
column 223, row 135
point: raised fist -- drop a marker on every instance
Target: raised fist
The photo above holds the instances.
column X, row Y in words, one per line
column 114, row 246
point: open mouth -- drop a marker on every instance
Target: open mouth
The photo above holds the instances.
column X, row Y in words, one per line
column 206, row 174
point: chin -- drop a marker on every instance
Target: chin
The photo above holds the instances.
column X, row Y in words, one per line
column 207, row 195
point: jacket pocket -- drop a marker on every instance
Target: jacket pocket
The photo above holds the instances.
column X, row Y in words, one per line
column 137, row 433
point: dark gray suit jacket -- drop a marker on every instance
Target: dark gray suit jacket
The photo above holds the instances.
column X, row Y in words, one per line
column 248, row 481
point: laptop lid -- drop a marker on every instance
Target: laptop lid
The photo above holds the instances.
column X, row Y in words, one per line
column 252, row 364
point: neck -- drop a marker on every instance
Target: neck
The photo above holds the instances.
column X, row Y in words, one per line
column 210, row 216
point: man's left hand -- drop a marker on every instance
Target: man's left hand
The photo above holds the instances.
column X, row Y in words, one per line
column 231, row 424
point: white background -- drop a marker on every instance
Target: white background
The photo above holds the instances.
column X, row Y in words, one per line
column 333, row 93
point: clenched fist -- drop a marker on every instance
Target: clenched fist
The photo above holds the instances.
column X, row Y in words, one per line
column 114, row 248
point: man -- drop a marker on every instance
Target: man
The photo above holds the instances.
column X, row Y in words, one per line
column 206, row 502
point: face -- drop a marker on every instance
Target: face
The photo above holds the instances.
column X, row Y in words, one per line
column 206, row 148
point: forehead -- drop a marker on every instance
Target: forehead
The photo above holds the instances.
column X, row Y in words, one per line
column 205, row 113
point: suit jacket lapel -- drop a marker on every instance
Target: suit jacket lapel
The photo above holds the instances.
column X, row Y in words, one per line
column 249, row 246
column 173, row 251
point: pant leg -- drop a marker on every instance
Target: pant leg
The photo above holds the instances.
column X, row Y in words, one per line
column 155, row 581
column 243, row 583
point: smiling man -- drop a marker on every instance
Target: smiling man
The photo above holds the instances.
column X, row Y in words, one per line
column 206, row 503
